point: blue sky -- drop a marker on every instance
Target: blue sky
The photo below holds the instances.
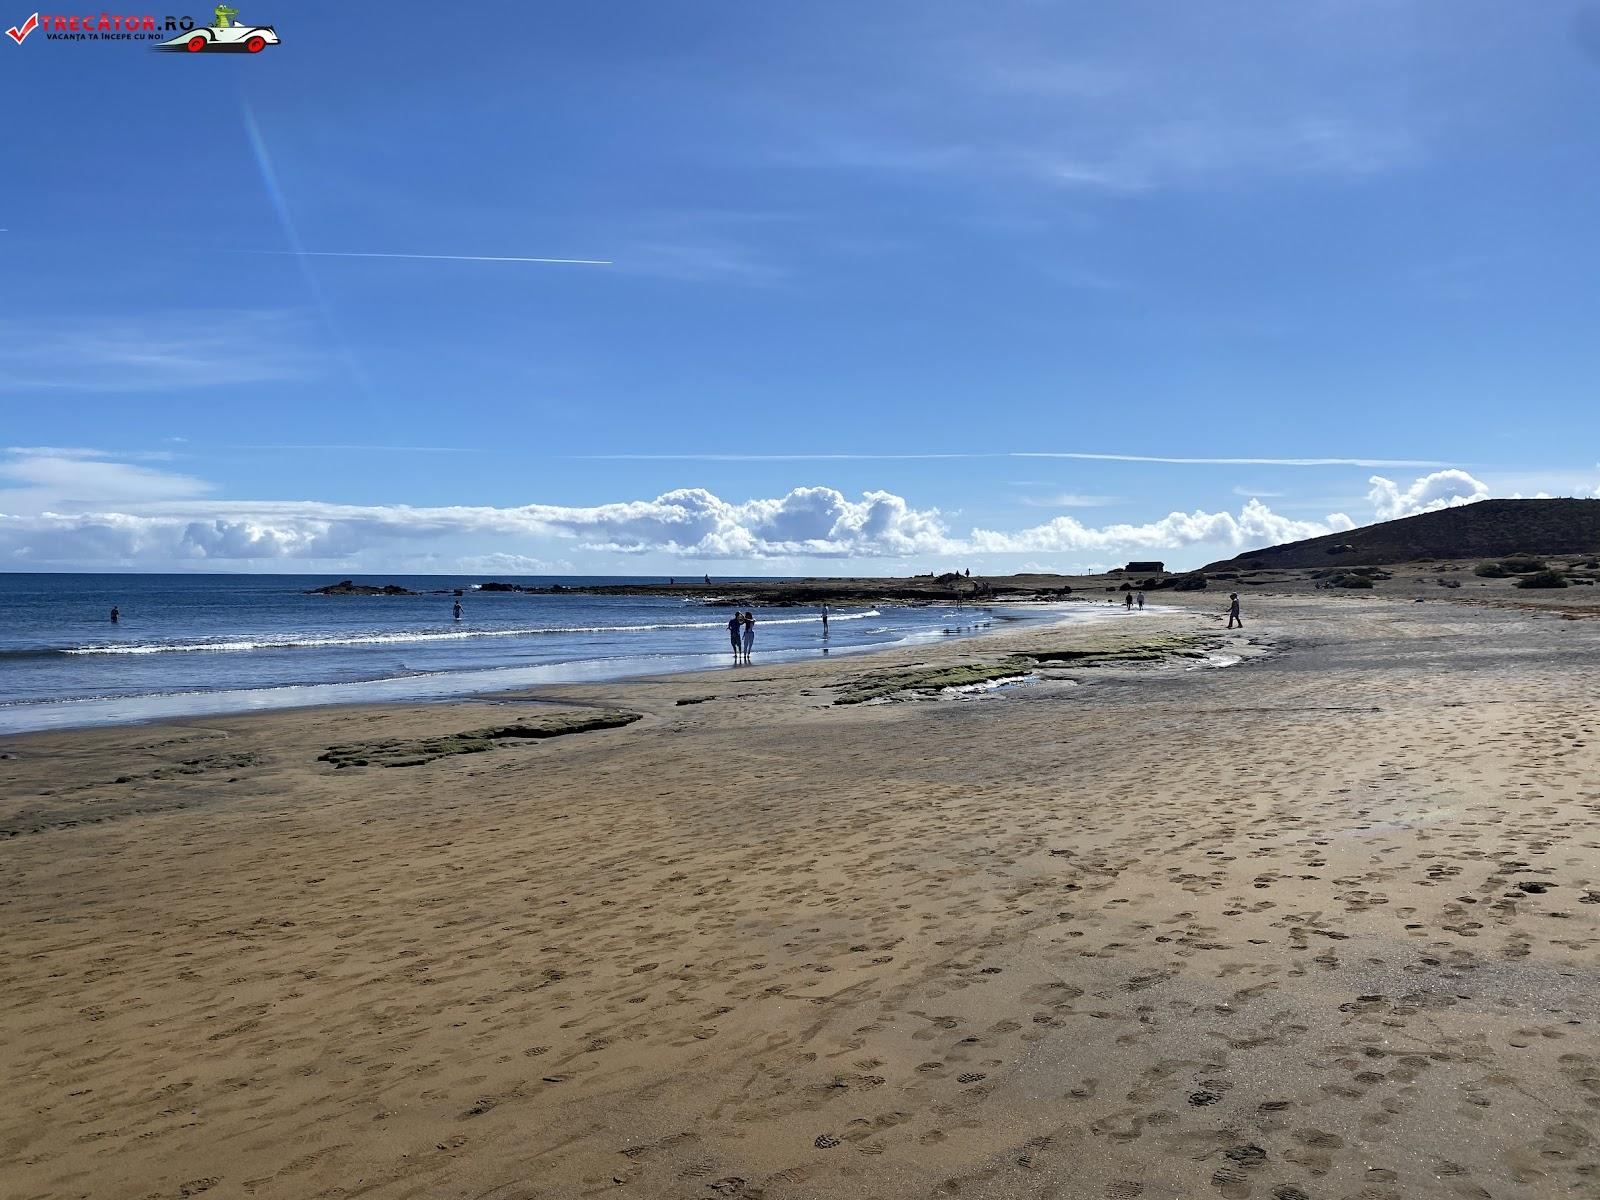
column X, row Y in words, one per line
column 863, row 264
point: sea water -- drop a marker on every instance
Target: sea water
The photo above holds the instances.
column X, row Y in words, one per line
column 201, row 644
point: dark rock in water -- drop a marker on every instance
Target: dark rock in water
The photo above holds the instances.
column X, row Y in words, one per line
column 496, row 586
column 346, row 587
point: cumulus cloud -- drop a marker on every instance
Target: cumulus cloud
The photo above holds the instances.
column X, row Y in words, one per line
column 103, row 513
column 813, row 522
column 1441, row 489
column 1256, row 524
column 691, row 523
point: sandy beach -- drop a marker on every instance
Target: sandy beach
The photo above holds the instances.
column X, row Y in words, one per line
column 1319, row 924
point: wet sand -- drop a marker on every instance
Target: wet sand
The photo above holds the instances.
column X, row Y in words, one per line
column 1321, row 924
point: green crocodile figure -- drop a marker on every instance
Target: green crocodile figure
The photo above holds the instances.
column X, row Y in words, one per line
column 225, row 16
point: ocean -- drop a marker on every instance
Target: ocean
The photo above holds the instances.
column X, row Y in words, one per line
column 191, row 645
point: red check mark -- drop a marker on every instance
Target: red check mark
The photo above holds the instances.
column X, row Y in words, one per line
column 17, row 35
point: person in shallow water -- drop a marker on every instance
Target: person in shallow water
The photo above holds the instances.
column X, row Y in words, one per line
column 735, row 624
column 458, row 610
column 1141, row 601
column 749, row 634
column 1233, row 611
column 116, row 614
column 1127, row 601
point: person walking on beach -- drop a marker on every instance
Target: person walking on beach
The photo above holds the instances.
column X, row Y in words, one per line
column 824, row 620
column 1233, row 611
column 1127, row 601
column 1141, row 601
column 749, row 635
column 735, row 624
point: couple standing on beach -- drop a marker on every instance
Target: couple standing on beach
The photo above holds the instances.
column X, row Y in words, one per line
column 742, row 633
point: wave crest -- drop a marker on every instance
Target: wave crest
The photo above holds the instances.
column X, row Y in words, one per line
column 454, row 635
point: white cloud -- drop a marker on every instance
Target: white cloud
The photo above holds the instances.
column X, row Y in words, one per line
column 815, row 523
column 689, row 523
column 1255, row 525
column 156, row 352
column 510, row 564
column 1128, row 153
column 1441, row 489
column 1068, row 500
column 114, row 514
column 47, row 478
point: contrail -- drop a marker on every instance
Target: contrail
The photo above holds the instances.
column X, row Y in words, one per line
column 269, row 181
column 581, row 262
column 1139, row 458
column 774, row 457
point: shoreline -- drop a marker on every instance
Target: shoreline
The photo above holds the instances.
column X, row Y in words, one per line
column 196, row 705
column 446, row 686
column 657, row 696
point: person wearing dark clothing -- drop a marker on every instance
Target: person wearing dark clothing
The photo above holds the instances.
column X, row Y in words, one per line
column 116, row 614
column 1233, row 611
column 735, row 629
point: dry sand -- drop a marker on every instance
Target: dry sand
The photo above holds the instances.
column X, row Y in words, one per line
column 1322, row 924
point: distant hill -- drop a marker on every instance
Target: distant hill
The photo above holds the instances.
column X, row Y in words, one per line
column 1487, row 529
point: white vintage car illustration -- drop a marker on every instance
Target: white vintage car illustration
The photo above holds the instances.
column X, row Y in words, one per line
column 250, row 39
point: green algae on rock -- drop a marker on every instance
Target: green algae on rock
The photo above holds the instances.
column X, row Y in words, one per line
column 927, row 679
column 1114, row 651
column 413, row 752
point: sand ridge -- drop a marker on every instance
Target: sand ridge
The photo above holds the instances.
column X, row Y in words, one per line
column 1323, row 924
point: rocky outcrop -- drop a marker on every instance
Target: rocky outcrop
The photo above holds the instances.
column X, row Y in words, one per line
column 347, row 587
